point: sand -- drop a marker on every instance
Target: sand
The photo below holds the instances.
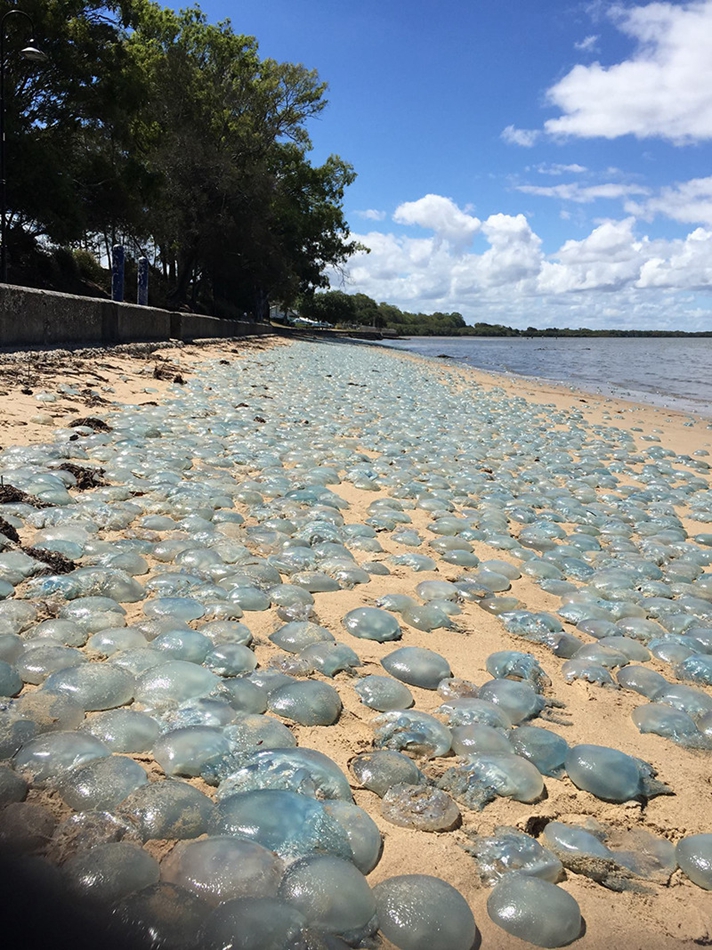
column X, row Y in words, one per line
column 677, row 915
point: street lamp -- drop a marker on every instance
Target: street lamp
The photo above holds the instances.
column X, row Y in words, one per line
column 35, row 55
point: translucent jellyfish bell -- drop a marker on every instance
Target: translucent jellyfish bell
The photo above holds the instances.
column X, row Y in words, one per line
column 308, row 702
column 421, row 807
column 512, row 664
column 174, row 682
column 223, row 868
column 417, row 666
column 383, row 693
column 350, row 911
column 426, row 617
column 694, row 856
column 257, row 923
column 49, row 757
column 518, row 699
column 417, row 911
column 102, row 783
column 371, row 623
column 534, row 910
column 123, row 730
column 288, row 823
column 186, row 751
column 297, row 635
column 671, row 723
column 511, row 850
column 641, row 679
column 93, row 686
column 167, row 809
column 361, row 830
column 302, row 770
column 544, row 748
column 416, row 732
column 162, row 914
column 378, row 771
column 110, row 872
column 483, row 776
column 612, row 775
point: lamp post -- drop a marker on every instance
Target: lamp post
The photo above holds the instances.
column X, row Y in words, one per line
column 34, row 55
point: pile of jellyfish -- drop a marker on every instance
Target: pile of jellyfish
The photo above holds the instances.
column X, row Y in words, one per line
column 134, row 708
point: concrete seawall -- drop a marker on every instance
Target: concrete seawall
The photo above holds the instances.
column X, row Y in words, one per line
column 30, row 317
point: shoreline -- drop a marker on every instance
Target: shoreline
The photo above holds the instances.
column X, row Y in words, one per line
column 599, row 407
column 667, row 917
column 617, row 391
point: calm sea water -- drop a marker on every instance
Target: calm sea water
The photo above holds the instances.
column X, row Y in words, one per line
column 676, row 373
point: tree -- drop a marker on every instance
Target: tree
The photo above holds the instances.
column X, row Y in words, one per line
column 334, row 307
column 61, row 114
column 241, row 215
column 170, row 134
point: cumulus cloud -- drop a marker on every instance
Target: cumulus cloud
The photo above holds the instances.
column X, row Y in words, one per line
column 583, row 194
column 440, row 215
column 686, row 265
column 525, row 137
column 372, row 215
column 514, row 253
column 611, row 241
column 664, row 90
column 689, row 202
column 613, row 276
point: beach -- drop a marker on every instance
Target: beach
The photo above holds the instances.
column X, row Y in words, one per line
column 44, row 394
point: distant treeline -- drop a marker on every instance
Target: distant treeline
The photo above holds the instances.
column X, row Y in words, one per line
column 348, row 310
column 496, row 329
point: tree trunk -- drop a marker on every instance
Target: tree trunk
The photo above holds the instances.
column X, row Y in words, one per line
column 177, row 295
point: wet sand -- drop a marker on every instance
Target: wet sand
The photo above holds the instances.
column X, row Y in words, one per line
column 677, row 915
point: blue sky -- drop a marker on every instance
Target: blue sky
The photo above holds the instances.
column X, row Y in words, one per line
column 545, row 163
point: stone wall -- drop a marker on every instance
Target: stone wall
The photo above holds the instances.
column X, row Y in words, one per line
column 31, row 317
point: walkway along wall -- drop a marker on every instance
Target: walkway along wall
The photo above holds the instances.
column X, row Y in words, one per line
column 31, row 317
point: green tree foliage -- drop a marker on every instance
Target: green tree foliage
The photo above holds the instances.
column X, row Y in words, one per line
column 56, row 110
column 172, row 135
column 333, row 307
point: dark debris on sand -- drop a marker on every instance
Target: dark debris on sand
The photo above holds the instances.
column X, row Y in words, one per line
column 9, row 531
column 9, row 495
column 168, row 371
column 92, row 398
column 90, row 422
column 56, row 563
column 85, row 477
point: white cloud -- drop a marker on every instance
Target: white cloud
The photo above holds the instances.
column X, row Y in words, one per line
column 440, row 215
column 664, row 90
column 614, row 276
column 583, row 194
column 687, row 265
column 515, row 252
column 372, row 215
column 610, row 241
column 525, row 137
column 587, row 44
column 556, row 169
column 689, row 202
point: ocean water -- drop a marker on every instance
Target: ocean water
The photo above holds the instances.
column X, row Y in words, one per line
column 675, row 373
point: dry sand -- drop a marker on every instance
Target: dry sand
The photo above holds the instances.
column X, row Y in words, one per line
column 678, row 915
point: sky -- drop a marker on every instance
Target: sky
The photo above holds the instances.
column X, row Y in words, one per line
column 542, row 163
